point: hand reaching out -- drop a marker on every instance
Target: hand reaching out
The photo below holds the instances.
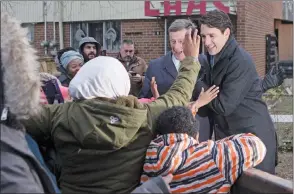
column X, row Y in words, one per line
column 207, row 96
column 154, row 90
column 204, row 98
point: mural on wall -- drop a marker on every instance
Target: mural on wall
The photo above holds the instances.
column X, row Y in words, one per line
column 78, row 31
column 31, row 31
column 112, row 36
column 107, row 33
column 79, row 34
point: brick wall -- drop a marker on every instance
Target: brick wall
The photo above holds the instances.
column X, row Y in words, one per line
column 39, row 35
column 254, row 21
column 149, row 45
column 142, row 32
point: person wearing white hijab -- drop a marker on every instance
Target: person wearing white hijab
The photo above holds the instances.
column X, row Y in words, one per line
column 100, row 77
column 102, row 136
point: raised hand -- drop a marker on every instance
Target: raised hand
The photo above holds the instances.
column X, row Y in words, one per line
column 191, row 45
column 207, row 96
column 154, row 90
column 204, row 98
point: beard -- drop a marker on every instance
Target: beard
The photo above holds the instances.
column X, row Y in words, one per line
column 127, row 59
column 86, row 56
column 92, row 53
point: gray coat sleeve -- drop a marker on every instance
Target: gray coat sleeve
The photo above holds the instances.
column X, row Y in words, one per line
column 16, row 175
column 154, row 185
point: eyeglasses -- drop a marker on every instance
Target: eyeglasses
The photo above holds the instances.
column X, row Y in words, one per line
column 129, row 51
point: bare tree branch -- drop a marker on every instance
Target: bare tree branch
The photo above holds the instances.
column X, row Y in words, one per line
column 8, row 7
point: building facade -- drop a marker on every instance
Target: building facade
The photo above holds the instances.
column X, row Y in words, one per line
column 146, row 23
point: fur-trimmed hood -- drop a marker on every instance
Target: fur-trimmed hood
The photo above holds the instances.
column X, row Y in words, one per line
column 20, row 67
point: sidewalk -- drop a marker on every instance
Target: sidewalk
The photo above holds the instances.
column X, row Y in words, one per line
column 282, row 118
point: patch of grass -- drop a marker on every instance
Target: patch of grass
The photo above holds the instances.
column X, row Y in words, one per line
column 285, row 166
column 284, row 106
column 285, row 135
column 285, row 153
column 279, row 101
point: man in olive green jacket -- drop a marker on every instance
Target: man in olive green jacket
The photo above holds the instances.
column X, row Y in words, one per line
column 102, row 142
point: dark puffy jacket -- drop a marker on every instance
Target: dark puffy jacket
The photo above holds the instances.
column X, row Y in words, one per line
column 21, row 172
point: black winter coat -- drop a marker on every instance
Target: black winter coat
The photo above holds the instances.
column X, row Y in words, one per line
column 239, row 107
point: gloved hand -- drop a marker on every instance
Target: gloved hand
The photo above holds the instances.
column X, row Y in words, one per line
column 273, row 78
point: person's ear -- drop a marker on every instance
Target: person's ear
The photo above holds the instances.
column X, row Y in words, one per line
column 227, row 32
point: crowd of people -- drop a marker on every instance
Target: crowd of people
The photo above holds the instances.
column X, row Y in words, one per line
column 120, row 125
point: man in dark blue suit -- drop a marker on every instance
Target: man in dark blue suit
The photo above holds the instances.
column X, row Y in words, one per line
column 165, row 69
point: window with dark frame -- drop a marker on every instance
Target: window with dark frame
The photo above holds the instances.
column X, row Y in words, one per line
column 31, row 31
column 107, row 33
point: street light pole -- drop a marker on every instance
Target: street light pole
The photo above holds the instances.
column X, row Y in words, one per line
column 61, row 45
column 45, row 24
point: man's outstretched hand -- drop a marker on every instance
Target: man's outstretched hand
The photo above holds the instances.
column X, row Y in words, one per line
column 273, row 79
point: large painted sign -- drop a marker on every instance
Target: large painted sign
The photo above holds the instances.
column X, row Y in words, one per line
column 178, row 4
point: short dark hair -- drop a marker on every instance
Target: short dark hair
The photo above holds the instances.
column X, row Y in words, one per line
column 217, row 19
column 60, row 52
column 177, row 119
